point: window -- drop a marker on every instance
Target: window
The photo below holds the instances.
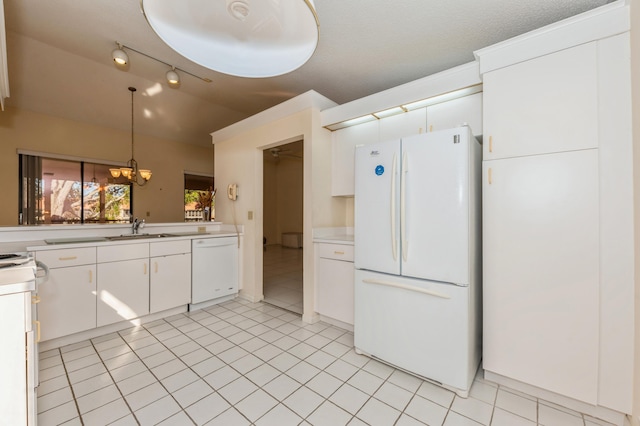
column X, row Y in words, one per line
column 68, row 191
column 195, row 188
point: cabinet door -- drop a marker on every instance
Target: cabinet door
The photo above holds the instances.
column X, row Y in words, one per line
column 123, row 291
column 541, row 271
column 170, row 284
column 456, row 112
column 401, row 125
column 67, row 301
column 335, row 289
column 548, row 104
column 344, row 142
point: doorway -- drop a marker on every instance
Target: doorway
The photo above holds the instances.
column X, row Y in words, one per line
column 282, row 226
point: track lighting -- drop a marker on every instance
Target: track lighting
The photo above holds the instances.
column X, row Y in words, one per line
column 120, row 57
column 173, row 77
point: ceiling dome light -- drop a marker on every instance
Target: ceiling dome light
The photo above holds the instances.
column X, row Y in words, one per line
column 120, row 57
column 172, row 76
column 236, row 37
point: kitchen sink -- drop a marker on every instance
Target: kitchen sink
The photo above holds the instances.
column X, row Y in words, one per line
column 137, row 236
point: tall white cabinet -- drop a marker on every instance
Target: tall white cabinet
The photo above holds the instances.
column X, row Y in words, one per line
column 558, row 218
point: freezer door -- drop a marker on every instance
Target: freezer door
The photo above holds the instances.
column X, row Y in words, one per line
column 376, row 235
column 435, row 206
column 418, row 325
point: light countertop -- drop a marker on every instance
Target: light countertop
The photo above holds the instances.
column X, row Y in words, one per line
column 333, row 235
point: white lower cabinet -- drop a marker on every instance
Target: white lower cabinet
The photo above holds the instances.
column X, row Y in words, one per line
column 335, row 280
column 68, row 298
column 541, row 267
column 170, row 279
column 68, row 301
column 123, row 285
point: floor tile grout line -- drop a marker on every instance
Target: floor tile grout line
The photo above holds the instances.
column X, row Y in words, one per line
column 75, row 401
column 232, row 314
column 115, row 383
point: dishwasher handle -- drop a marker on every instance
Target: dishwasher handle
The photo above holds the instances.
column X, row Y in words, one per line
column 214, row 242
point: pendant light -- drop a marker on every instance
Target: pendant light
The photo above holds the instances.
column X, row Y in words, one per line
column 238, row 37
column 131, row 172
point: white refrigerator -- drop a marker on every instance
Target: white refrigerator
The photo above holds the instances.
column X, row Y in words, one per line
column 418, row 255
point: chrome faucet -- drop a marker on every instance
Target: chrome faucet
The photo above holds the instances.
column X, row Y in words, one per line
column 136, row 225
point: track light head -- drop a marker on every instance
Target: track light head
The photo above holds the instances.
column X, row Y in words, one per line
column 120, row 57
column 173, row 77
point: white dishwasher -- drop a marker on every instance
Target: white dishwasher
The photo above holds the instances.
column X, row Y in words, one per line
column 214, row 270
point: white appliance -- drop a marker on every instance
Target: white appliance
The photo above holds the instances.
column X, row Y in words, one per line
column 214, row 270
column 417, row 255
column 19, row 355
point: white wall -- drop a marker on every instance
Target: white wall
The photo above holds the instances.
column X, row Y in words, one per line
column 239, row 159
column 635, row 94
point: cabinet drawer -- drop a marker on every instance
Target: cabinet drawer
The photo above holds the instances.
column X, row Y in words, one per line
column 166, row 248
column 67, row 257
column 123, row 252
column 336, row 251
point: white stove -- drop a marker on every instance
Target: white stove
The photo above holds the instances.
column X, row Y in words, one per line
column 20, row 332
column 17, row 272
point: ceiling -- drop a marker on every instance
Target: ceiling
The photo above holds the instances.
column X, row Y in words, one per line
column 59, row 55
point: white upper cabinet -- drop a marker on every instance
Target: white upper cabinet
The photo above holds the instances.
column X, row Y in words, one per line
column 547, row 104
column 344, row 142
column 405, row 124
column 456, row 112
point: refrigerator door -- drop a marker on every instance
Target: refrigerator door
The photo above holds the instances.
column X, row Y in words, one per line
column 376, row 235
column 435, row 206
column 418, row 325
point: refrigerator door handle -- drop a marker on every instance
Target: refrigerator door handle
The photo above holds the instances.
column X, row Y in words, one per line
column 403, row 216
column 394, row 241
column 406, row 287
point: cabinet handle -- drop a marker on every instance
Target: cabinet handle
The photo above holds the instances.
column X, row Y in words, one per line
column 68, row 258
column 145, row 268
column 90, row 276
column 490, row 143
column 35, row 300
column 37, row 324
column 431, row 128
column 490, row 176
column 156, row 266
column 338, row 252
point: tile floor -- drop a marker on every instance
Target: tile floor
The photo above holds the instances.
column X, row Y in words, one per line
column 282, row 283
column 242, row 363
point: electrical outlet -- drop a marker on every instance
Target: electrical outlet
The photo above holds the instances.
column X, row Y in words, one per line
column 148, row 214
column 250, row 215
column 202, row 229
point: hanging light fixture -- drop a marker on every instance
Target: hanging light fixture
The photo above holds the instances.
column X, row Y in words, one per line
column 238, row 37
column 131, row 172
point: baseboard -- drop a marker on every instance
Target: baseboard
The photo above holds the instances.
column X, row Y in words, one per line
column 106, row 329
column 337, row 323
column 598, row 412
column 310, row 318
